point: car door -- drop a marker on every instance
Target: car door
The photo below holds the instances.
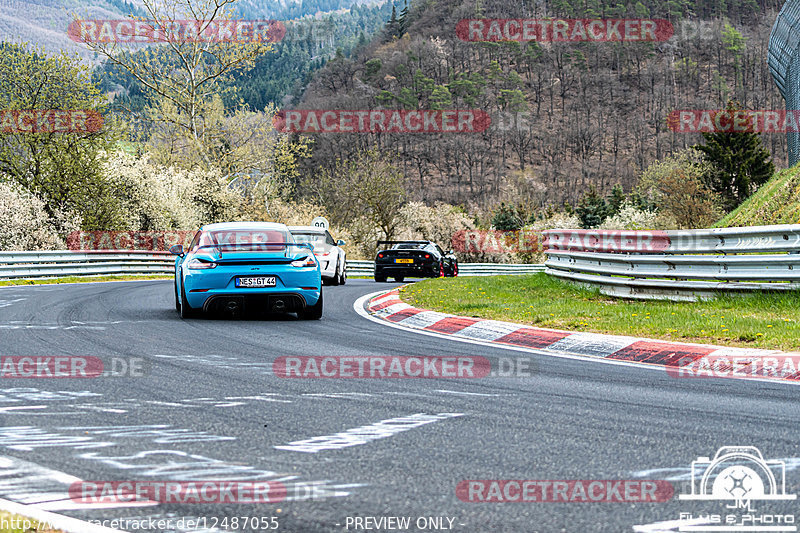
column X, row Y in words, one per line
column 446, row 262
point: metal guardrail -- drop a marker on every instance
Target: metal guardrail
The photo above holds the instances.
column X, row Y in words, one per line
column 15, row 265
column 93, row 263
column 464, row 269
column 677, row 265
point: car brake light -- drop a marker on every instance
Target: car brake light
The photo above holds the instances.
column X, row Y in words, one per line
column 427, row 256
column 380, row 256
column 196, row 264
column 307, row 261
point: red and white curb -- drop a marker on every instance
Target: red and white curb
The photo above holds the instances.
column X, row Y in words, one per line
column 388, row 308
column 53, row 520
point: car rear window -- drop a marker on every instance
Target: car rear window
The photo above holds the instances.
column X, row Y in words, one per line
column 318, row 240
column 246, row 239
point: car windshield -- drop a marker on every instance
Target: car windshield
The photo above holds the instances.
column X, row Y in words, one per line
column 246, row 240
column 318, row 240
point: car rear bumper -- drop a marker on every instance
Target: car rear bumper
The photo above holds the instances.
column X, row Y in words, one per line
column 422, row 271
column 279, row 302
column 298, row 288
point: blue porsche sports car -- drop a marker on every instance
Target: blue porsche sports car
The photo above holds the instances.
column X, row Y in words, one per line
column 247, row 266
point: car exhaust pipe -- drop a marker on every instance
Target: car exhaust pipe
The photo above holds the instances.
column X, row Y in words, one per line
column 233, row 307
column 279, row 306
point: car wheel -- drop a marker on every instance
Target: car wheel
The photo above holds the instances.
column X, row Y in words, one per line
column 186, row 310
column 343, row 277
column 335, row 280
column 177, row 302
column 313, row 312
column 399, row 279
column 380, row 278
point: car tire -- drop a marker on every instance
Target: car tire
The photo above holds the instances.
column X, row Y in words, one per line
column 335, row 280
column 177, row 302
column 313, row 312
column 186, row 310
column 380, row 278
column 399, row 279
column 343, row 277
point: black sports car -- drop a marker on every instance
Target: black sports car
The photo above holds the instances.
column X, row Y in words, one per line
column 418, row 259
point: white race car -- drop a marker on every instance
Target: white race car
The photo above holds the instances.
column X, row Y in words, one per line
column 329, row 254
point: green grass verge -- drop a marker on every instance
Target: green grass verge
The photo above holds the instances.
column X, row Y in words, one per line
column 8, row 519
column 763, row 320
column 775, row 202
column 80, row 279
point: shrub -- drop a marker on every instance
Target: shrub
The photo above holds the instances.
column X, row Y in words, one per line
column 25, row 225
column 631, row 217
column 675, row 187
column 153, row 197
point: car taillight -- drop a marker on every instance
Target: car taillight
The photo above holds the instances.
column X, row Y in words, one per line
column 196, row 264
column 304, row 262
column 380, row 256
column 427, row 256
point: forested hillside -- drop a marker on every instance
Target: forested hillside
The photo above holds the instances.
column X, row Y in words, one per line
column 587, row 113
column 281, row 74
column 44, row 22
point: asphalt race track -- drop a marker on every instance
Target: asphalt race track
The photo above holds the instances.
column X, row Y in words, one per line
column 209, row 407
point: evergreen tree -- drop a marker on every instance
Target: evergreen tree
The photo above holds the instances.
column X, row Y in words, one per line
column 506, row 218
column 403, row 20
column 615, row 200
column 739, row 163
column 592, row 209
column 393, row 26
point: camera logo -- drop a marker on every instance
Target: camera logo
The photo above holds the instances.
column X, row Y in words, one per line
column 740, row 474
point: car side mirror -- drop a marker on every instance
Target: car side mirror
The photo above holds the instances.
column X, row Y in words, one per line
column 340, row 242
column 176, row 249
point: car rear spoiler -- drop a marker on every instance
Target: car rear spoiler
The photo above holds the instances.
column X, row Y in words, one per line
column 380, row 243
column 254, row 244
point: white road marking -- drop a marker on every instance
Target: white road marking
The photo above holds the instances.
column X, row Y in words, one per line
column 670, row 526
column 7, row 303
column 445, row 391
column 340, row 395
column 365, row 434
column 44, row 488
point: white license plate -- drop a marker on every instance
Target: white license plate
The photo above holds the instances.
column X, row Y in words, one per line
column 256, row 281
